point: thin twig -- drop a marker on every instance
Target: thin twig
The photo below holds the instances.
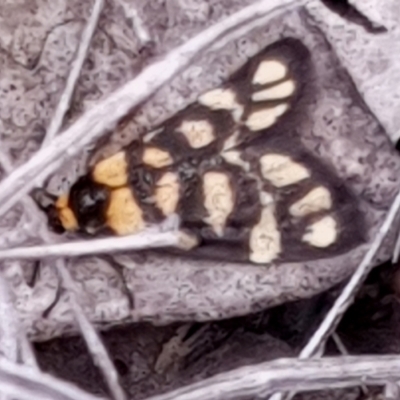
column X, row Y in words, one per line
column 8, row 327
column 24, row 383
column 65, row 100
column 107, row 113
column 27, row 354
column 8, row 323
column 396, row 251
column 92, row 339
column 392, row 391
column 339, row 344
column 288, row 374
column 344, row 352
column 144, row 240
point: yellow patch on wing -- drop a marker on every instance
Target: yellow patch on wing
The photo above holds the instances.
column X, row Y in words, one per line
column 266, row 117
column 112, row 171
column 167, row 193
column 156, row 158
column 277, row 92
column 269, row 71
column 281, row 170
column 322, row 233
column 198, row 133
column 265, row 238
column 317, row 199
column 65, row 214
column 124, row 215
column 218, row 200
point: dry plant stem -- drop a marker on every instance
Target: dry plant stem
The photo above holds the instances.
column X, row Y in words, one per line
column 291, row 374
column 343, row 351
column 392, row 391
column 107, row 113
column 145, row 240
column 8, row 323
column 24, row 383
column 93, row 341
column 396, row 252
column 8, row 327
column 339, row 344
column 27, row 354
column 65, row 100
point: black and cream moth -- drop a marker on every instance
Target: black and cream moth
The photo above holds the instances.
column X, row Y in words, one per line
column 232, row 167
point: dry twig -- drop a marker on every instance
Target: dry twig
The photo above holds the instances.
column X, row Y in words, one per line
column 92, row 339
column 65, row 100
column 143, row 240
column 291, row 374
column 8, row 323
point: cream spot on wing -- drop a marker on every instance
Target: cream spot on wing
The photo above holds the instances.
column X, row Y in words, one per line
column 281, row 170
column 112, row 171
column 198, row 133
column 218, row 200
column 124, row 216
column 268, row 72
column 317, row 199
column 265, row 118
column 322, row 233
column 167, row 193
column 280, row 91
column 222, row 99
column 156, row 158
column 265, row 238
column 233, row 157
column 219, row 99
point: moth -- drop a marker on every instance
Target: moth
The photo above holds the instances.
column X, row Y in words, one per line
column 233, row 168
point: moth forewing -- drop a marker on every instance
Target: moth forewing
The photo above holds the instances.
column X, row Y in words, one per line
column 216, row 162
